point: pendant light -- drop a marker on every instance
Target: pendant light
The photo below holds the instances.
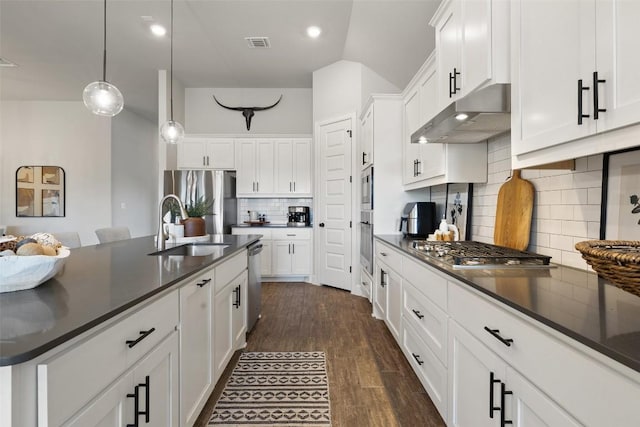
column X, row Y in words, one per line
column 171, row 131
column 101, row 97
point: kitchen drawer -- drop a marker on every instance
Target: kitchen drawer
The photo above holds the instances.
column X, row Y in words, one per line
column 429, row 321
column 577, row 382
column 430, row 283
column 67, row 381
column 265, row 232
column 390, row 257
column 291, row 234
column 230, row 269
column 431, row 373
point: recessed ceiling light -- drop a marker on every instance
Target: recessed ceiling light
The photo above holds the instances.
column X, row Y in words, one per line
column 462, row 117
column 423, row 140
column 314, row 32
column 158, row 30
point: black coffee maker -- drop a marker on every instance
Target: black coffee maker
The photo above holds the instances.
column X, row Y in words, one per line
column 299, row 216
column 418, row 219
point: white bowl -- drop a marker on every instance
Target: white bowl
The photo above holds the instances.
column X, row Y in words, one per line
column 26, row 272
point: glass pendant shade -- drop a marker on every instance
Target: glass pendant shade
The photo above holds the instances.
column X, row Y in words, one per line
column 103, row 98
column 171, row 132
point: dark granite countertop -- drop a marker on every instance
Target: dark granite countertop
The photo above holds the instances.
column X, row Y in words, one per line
column 97, row 283
column 268, row 226
column 574, row 302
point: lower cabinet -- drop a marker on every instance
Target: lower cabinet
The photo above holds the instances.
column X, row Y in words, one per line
column 291, row 257
column 146, row 394
column 229, row 321
column 196, row 341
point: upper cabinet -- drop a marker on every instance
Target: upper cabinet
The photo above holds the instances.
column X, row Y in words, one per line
column 198, row 152
column 366, row 141
column 472, row 46
column 293, row 167
column 575, row 75
column 432, row 164
column 273, row 167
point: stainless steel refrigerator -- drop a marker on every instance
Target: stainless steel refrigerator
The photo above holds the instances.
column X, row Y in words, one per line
column 217, row 187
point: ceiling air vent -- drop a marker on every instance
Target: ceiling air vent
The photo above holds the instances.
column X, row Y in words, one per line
column 6, row 63
column 258, row 42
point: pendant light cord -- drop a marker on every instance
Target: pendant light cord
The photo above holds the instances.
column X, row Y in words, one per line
column 171, row 77
column 104, row 44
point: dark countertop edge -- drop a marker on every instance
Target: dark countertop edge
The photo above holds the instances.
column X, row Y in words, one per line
column 38, row 351
column 607, row 351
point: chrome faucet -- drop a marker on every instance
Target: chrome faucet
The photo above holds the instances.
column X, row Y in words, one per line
column 161, row 236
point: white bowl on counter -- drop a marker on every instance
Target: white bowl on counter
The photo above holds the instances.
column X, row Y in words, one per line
column 26, row 272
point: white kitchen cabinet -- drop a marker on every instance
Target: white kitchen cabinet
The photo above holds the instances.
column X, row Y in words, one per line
column 293, row 167
column 393, row 317
column 432, row 163
column 557, row 49
column 472, row 46
column 197, row 152
column 255, row 167
column 380, row 291
column 291, row 252
column 366, row 139
column 229, row 324
column 196, row 346
column 265, row 258
column 151, row 387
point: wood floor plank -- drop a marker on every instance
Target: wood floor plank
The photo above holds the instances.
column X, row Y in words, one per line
column 370, row 381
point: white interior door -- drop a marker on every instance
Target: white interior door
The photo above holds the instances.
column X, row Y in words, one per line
column 334, row 204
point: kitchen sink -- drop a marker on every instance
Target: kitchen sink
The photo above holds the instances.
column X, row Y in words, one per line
column 193, row 249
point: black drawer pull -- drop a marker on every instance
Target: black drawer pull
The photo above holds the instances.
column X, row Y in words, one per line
column 580, row 90
column 503, row 416
column 147, row 392
column 143, row 335
column 418, row 314
column 596, row 102
column 204, row 282
column 496, row 334
column 492, row 381
column 417, row 357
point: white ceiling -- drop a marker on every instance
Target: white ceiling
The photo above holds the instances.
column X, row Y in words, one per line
column 58, row 44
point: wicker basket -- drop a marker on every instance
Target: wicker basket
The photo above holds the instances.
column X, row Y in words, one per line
column 618, row 261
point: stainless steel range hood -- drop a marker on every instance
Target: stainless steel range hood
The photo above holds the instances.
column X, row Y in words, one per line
column 474, row 118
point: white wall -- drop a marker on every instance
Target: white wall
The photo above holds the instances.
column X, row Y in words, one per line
column 337, row 90
column 374, row 83
column 61, row 134
column 134, row 171
column 293, row 115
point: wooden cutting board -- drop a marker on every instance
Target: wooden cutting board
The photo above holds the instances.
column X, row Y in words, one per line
column 513, row 213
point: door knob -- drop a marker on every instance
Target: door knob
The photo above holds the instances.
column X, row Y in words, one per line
column 321, row 224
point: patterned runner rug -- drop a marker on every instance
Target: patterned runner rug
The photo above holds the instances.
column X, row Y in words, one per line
column 276, row 389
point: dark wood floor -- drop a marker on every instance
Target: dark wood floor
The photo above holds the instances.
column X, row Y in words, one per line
column 370, row 381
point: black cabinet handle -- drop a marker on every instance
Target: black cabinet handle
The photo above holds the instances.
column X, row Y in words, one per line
column 204, row 282
column 382, row 273
column 503, row 416
column 596, row 103
column 147, row 392
column 451, row 92
column 418, row 163
column 143, row 335
column 364, row 157
column 414, row 167
column 496, row 334
column 383, row 253
column 417, row 357
column 492, row 381
column 136, row 406
column 207, row 160
column 418, row 314
column 455, row 81
column 580, row 90
column 236, row 291
column 321, row 224
column 290, row 186
column 239, row 296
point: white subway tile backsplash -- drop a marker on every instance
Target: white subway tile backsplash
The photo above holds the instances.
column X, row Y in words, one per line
column 276, row 210
column 566, row 207
column 576, row 196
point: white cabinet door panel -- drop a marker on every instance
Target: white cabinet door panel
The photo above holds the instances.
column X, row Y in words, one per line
column 246, row 164
column 281, row 257
column 220, row 154
column 191, row 154
column 223, row 336
column 264, row 166
column 394, row 304
column 302, row 167
column 283, row 166
column 476, row 44
column 300, row 257
column 448, row 41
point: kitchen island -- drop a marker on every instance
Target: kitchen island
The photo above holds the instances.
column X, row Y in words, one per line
column 553, row 343
column 67, row 326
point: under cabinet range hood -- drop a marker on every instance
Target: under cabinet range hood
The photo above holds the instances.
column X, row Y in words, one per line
column 474, row 118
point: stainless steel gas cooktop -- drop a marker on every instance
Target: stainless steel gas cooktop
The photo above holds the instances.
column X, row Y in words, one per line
column 469, row 254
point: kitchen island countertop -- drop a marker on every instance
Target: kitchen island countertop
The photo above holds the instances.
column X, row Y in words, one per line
column 97, row 283
column 574, row 302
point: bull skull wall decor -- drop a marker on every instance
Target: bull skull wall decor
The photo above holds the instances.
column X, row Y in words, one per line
column 247, row 112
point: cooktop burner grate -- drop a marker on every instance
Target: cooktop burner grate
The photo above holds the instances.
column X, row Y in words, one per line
column 469, row 254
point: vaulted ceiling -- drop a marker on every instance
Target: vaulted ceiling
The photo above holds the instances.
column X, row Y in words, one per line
column 57, row 44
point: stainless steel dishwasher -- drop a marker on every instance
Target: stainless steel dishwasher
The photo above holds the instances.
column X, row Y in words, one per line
column 254, row 292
